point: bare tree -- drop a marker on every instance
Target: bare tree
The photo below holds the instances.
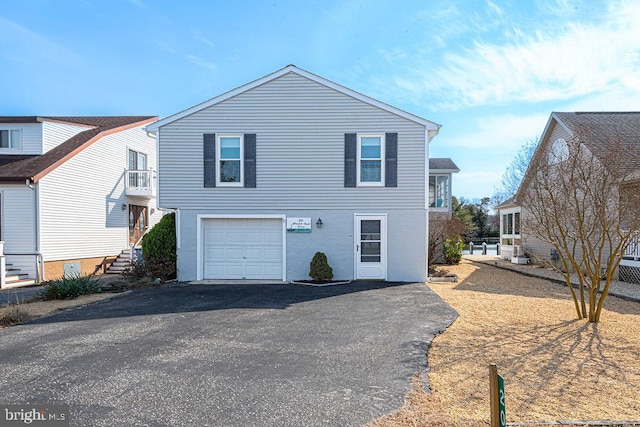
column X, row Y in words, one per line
column 514, row 173
column 583, row 198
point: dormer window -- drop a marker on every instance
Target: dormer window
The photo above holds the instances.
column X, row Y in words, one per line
column 10, row 138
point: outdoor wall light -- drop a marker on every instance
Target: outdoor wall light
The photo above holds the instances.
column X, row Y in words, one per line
column 124, row 207
column 319, row 223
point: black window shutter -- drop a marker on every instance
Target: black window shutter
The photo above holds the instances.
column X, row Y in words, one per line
column 209, row 151
column 250, row 160
column 350, row 154
column 391, row 160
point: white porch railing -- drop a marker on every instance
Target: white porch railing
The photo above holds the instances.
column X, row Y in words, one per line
column 633, row 250
column 139, row 183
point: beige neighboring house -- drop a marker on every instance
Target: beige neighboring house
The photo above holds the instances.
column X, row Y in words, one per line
column 75, row 192
column 562, row 127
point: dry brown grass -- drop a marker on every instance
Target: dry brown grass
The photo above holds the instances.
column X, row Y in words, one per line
column 12, row 314
column 555, row 367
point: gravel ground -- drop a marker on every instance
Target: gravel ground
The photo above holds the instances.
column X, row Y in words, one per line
column 555, row 366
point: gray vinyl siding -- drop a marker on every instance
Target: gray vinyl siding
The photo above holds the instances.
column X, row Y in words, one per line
column 406, row 249
column 300, row 126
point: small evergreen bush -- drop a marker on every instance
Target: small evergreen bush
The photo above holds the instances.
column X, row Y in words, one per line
column 159, row 249
column 453, row 250
column 319, row 268
column 70, row 287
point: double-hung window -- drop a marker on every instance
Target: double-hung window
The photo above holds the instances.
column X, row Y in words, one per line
column 371, row 160
column 230, row 152
column 10, row 138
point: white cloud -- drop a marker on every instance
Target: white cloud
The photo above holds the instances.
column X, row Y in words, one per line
column 499, row 132
column 201, row 62
column 20, row 44
column 559, row 61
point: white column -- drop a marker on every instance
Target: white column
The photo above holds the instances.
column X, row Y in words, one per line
column 3, row 281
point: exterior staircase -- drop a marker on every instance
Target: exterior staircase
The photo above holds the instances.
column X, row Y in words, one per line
column 121, row 264
column 14, row 277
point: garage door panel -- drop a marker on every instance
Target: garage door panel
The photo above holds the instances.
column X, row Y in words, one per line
column 272, row 254
column 254, row 254
column 242, row 248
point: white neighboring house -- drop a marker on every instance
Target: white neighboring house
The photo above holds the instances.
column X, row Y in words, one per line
column 265, row 175
column 74, row 193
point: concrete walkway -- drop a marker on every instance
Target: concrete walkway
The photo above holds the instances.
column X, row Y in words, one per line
column 629, row 291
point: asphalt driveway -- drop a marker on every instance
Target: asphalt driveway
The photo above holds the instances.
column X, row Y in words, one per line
column 220, row 355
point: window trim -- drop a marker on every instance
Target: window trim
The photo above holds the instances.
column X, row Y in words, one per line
column 508, row 231
column 9, row 130
column 219, row 159
column 359, row 182
column 447, row 200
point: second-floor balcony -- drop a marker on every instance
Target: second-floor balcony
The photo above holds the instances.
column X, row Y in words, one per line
column 139, row 183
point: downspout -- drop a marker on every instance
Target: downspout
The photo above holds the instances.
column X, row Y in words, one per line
column 36, row 230
column 427, row 140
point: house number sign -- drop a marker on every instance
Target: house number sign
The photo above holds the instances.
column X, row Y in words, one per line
column 299, row 225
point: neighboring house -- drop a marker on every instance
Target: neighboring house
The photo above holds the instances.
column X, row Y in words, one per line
column 562, row 127
column 74, row 192
column 265, row 175
column 440, row 186
column 439, row 191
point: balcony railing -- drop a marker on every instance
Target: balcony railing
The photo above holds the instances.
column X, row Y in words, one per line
column 633, row 250
column 139, row 183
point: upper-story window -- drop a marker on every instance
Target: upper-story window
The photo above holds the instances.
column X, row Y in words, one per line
column 10, row 138
column 229, row 152
column 439, row 191
column 138, row 174
column 559, row 151
column 371, row 160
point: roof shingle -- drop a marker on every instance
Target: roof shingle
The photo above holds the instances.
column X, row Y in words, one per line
column 24, row 167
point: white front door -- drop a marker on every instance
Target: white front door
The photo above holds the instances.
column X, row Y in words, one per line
column 371, row 246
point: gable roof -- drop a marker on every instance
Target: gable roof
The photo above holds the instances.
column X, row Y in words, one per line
column 431, row 127
column 597, row 129
column 442, row 164
column 35, row 167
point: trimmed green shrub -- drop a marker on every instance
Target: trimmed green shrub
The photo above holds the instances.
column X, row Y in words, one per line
column 453, row 250
column 159, row 249
column 70, row 287
column 319, row 268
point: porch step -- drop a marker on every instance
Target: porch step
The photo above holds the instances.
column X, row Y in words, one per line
column 14, row 277
column 121, row 264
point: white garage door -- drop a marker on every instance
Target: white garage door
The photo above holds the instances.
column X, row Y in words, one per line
column 242, row 248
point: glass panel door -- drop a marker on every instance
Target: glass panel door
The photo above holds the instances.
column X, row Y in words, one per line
column 370, row 250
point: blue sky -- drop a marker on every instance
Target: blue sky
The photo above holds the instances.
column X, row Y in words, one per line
column 490, row 72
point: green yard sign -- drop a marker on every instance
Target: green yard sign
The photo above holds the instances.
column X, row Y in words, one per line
column 503, row 414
